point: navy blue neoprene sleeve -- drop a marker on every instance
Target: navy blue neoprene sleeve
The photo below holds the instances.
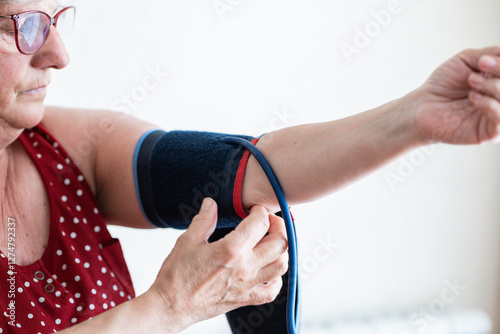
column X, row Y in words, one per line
column 174, row 171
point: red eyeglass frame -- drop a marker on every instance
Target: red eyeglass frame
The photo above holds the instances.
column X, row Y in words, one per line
column 53, row 21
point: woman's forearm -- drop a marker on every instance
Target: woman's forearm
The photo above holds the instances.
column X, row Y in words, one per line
column 144, row 314
column 314, row 160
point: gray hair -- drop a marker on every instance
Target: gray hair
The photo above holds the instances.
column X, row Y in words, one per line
column 17, row 1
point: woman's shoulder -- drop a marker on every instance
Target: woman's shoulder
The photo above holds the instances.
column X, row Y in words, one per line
column 101, row 143
column 70, row 127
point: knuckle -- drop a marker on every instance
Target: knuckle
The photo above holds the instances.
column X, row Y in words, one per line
column 270, row 298
column 242, row 275
column 260, row 214
column 282, row 265
column 466, row 54
column 280, row 220
column 231, row 252
column 279, row 247
column 274, row 294
column 200, row 218
column 196, row 218
column 264, row 220
column 183, row 238
column 266, row 298
column 269, row 295
column 282, row 245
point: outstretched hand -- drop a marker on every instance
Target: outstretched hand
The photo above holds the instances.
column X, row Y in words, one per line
column 460, row 102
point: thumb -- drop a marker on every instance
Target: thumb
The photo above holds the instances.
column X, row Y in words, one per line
column 472, row 57
column 204, row 223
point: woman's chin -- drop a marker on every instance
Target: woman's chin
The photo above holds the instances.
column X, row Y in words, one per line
column 28, row 115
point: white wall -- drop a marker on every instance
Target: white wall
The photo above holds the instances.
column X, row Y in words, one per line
column 238, row 71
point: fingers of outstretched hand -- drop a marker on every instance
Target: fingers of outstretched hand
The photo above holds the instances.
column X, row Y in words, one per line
column 490, row 107
column 485, row 84
column 489, row 63
column 481, row 59
column 252, row 229
column 204, row 223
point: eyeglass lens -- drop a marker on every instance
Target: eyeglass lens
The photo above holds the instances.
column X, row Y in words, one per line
column 33, row 28
column 65, row 22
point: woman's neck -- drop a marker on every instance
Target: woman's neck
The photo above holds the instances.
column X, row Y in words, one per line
column 8, row 135
column 6, row 168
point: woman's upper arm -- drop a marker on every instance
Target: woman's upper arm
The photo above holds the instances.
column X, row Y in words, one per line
column 102, row 144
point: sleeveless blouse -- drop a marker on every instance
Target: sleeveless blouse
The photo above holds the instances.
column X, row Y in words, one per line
column 82, row 271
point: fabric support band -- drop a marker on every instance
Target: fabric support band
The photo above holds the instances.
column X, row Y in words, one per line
column 174, row 171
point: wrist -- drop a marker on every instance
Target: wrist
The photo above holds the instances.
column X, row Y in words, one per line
column 414, row 106
column 408, row 108
column 162, row 312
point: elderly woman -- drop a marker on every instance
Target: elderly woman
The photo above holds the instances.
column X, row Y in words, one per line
column 64, row 272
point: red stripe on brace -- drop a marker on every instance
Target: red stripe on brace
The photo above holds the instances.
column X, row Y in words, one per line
column 238, row 183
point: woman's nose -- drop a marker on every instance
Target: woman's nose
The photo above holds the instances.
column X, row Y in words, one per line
column 53, row 53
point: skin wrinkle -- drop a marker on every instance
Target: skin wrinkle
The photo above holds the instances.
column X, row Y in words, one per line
column 7, row 32
column 14, row 205
column 20, row 109
column 5, row 38
column 9, row 196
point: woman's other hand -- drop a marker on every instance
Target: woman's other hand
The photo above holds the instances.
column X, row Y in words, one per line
column 199, row 280
column 460, row 102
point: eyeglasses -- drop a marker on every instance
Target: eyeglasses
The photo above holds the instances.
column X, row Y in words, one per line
column 32, row 28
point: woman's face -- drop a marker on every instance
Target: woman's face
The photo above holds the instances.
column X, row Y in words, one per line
column 24, row 79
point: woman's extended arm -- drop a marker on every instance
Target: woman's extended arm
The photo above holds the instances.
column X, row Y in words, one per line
column 310, row 160
column 316, row 159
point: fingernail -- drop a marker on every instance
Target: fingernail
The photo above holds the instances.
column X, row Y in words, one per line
column 207, row 204
column 489, row 61
column 477, row 96
column 477, row 79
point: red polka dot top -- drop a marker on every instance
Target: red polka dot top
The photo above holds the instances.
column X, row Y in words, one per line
column 82, row 271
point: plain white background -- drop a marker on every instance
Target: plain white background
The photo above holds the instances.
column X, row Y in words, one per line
column 252, row 66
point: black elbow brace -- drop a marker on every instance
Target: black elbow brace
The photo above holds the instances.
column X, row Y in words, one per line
column 174, row 172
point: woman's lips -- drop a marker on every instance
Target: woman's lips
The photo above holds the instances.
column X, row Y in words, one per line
column 34, row 91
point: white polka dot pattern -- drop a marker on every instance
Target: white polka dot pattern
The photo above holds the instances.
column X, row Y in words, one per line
column 83, row 272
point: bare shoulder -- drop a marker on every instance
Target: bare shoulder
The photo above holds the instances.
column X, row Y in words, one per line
column 69, row 127
column 102, row 143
